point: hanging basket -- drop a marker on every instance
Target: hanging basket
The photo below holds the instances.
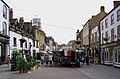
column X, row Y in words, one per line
column 105, row 39
column 22, row 40
column 77, row 41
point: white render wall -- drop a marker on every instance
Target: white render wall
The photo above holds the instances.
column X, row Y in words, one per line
column 2, row 19
column 115, row 25
column 18, row 37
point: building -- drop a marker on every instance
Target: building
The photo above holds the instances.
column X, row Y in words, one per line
column 110, row 36
column 38, row 33
column 4, row 30
column 18, row 30
column 94, row 35
column 91, row 35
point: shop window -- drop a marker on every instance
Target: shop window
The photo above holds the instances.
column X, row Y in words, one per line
column 118, row 32
column 4, row 11
column 115, row 54
column 111, row 55
column 106, row 56
column 119, row 55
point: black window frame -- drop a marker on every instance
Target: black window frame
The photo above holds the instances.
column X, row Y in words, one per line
column 118, row 15
column 5, row 28
column 15, row 41
column 5, row 11
column 112, row 19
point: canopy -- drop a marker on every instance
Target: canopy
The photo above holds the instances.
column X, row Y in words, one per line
column 44, row 52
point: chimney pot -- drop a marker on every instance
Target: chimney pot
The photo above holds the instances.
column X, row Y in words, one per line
column 102, row 9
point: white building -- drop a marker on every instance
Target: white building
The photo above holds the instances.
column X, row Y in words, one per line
column 110, row 36
column 20, row 30
column 4, row 33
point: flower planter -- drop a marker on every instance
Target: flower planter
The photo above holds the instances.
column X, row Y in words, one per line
column 105, row 39
column 77, row 41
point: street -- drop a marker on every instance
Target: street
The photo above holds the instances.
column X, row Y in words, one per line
column 85, row 72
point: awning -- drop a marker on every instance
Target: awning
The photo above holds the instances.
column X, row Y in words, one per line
column 44, row 52
column 50, row 52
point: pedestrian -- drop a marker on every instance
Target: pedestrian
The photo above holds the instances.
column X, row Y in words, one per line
column 83, row 59
column 42, row 59
column 87, row 60
column 50, row 59
column 46, row 60
column 8, row 60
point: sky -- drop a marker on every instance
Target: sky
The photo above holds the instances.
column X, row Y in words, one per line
column 59, row 18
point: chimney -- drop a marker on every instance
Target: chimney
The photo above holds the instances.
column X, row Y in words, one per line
column 116, row 3
column 102, row 9
column 21, row 20
column 10, row 13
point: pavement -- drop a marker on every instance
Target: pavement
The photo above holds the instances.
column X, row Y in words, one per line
column 97, row 71
column 84, row 72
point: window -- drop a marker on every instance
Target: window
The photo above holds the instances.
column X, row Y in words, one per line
column 33, row 43
column 102, row 38
column 112, row 19
column 111, row 55
column 115, row 54
column 106, row 23
column 37, row 44
column 95, row 36
column 91, row 39
column 14, row 41
column 4, row 11
column 118, row 15
column 21, row 44
column 118, row 32
column 4, row 28
column 112, row 34
column 106, row 34
column 102, row 26
column 26, row 44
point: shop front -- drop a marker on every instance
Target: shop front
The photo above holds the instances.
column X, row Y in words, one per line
column 108, row 53
column 4, row 48
column 116, row 61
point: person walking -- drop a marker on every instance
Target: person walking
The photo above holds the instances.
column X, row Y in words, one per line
column 50, row 59
column 87, row 60
column 8, row 60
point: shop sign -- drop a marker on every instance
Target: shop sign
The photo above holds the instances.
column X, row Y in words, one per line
column 109, row 45
column 103, row 46
column 113, row 44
